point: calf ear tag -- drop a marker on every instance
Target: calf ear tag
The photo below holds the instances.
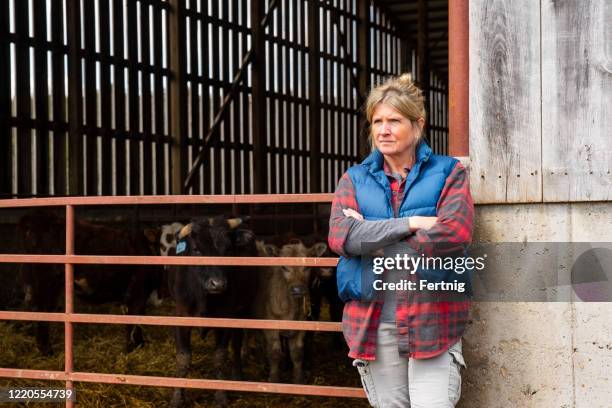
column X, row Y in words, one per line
column 180, row 247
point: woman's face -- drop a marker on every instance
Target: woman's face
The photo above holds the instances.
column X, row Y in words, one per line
column 393, row 133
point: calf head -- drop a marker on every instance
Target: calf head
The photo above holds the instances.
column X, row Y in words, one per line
column 167, row 238
column 297, row 278
column 208, row 237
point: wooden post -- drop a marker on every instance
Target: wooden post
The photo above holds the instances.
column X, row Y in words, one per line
column 177, row 97
column 75, row 107
column 363, row 29
column 260, row 175
column 422, row 51
column 458, row 77
column 314, row 96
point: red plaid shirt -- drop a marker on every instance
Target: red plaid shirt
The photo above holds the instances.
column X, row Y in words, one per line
column 425, row 328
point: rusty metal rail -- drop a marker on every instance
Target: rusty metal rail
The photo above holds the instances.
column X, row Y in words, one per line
column 173, row 199
column 69, row 317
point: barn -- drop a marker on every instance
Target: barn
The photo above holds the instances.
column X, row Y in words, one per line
column 143, row 112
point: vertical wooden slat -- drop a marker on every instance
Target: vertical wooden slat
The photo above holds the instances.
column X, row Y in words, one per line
column 422, row 50
column 59, row 98
column 194, row 119
column 147, row 157
column 225, row 39
column 158, row 113
column 237, row 167
column 134, row 98
column 91, row 107
column 304, row 108
column 247, row 127
column 272, row 127
column 314, row 97
column 364, row 59
column 288, row 106
column 119, row 96
column 105, row 101
column 217, row 92
column 5, row 103
column 295, row 107
column 75, row 111
column 260, row 176
column 178, row 95
column 24, row 143
column 282, row 83
column 206, row 101
column 41, row 90
column 332, row 135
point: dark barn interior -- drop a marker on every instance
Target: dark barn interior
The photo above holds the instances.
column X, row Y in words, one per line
column 116, row 97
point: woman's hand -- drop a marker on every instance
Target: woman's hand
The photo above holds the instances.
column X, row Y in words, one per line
column 417, row 223
column 352, row 213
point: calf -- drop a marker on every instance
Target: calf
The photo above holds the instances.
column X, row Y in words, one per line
column 43, row 232
column 212, row 291
column 284, row 295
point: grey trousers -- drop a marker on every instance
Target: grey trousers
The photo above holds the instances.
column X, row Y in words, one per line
column 391, row 381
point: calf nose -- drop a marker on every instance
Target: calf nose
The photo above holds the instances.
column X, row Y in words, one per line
column 215, row 285
column 298, row 291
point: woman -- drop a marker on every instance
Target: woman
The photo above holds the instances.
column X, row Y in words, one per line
column 408, row 352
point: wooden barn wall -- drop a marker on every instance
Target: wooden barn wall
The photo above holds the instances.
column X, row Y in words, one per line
column 577, row 100
column 540, row 101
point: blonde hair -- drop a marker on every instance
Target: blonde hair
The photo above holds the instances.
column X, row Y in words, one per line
column 402, row 94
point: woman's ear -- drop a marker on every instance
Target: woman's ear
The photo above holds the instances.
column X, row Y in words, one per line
column 421, row 123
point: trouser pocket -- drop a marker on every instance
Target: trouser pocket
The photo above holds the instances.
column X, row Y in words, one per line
column 367, row 381
column 454, row 381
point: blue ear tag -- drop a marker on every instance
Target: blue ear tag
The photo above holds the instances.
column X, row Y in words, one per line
column 180, row 247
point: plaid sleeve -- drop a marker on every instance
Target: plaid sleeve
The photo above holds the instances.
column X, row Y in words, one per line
column 455, row 211
column 339, row 224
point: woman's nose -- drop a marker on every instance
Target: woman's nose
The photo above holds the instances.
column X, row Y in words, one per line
column 384, row 128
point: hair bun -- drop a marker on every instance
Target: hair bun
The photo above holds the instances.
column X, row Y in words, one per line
column 406, row 79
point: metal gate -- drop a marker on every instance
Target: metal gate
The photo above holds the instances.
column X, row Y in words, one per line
column 69, row 318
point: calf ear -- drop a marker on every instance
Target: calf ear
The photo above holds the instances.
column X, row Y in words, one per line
column 234, row 222
column 317, row 249
column 266, row 249
column 152, row 235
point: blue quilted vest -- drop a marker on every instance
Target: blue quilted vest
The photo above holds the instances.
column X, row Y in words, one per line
column 422, row 190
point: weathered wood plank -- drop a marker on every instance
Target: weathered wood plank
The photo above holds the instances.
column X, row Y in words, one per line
column 576, row 101
column 505, row 131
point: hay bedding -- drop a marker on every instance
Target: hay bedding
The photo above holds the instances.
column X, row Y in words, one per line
column 100, row 348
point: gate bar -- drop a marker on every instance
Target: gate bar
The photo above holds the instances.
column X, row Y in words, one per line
column 249, row 386
column 173, row 199
column 167, row 260
column 182, row 321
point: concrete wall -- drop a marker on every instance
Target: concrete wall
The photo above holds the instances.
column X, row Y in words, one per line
column 555, row 354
